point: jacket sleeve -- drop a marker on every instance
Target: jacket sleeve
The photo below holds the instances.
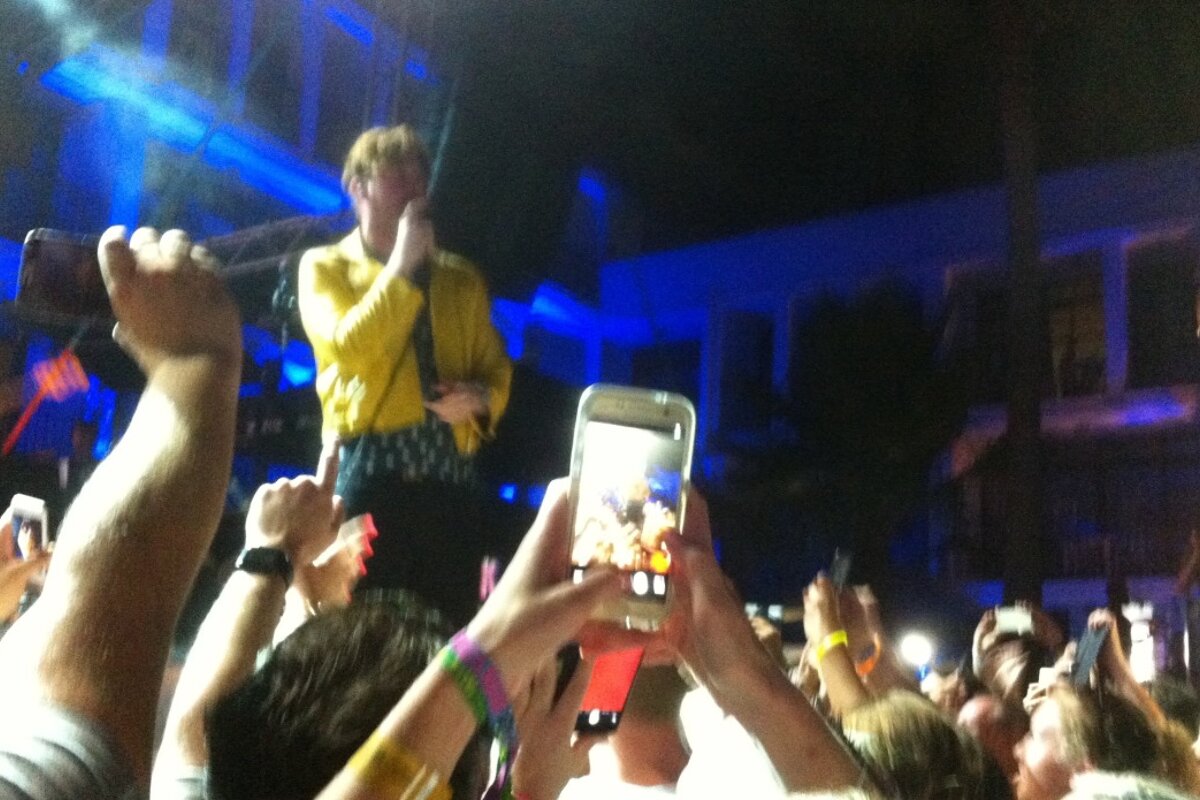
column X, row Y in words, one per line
column 354, row 332
column 490, row 362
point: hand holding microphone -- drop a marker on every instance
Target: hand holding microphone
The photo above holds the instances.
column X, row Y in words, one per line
column 415, row 241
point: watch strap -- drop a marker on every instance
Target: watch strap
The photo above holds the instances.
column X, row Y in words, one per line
column 265, row 561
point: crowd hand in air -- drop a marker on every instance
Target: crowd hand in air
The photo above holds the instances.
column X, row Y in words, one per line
column 156, row 285
column 829, row 646
column 16, row 568
column 708, row 629
column 299, row 516
column 551, row 753
column 535, row 610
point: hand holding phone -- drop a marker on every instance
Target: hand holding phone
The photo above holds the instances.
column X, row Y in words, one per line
column 60, row 277
column 30, row 526
column 1014, row 619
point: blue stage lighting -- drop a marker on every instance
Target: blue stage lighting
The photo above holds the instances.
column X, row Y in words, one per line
column 535, row 496
column 299, row 366
column 417, row 69
column 508, row 492
column 181, row 119
column 351, row 26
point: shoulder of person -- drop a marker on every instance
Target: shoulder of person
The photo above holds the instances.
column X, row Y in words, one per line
column 332, row 255
column 458, row 268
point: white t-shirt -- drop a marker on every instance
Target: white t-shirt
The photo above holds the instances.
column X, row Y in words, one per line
column 606, row 787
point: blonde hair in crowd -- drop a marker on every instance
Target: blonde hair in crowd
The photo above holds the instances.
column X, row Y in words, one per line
column 903, row 736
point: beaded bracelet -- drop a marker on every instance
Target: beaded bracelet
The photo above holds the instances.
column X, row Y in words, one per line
column 387, row 769
column 837, row 638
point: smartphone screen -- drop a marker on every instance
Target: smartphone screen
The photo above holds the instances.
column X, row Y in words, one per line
column 60, row 276
column 1013, row 619
column 30, row 525
column 631, row 480
column 604, row 700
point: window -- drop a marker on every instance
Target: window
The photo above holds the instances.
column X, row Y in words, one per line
column 275, row 84
column 1163, row 349
column 346, row 91
column 1075, row 315
column 199, row 46
column 746, row 380
column 670, row 366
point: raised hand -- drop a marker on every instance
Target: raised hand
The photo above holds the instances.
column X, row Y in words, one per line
column 550, row 754
column 822, row 614
column 415, row 242
column 297, row 515
column 535, row 609
column 1112, row 660
column 15, row 571
column 167, row 299
column 707, row 625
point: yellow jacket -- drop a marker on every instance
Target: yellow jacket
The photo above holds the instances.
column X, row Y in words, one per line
column 360, row 331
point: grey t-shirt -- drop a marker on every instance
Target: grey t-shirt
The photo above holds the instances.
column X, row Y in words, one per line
column 47, row 753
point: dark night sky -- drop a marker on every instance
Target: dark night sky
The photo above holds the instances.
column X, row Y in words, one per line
column 722, row 118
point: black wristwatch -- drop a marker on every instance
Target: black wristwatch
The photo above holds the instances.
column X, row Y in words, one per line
column 265, row 561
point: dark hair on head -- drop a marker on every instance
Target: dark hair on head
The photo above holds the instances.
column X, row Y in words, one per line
column 1179, row 702
column 1012, row 663
column 1104, row 730
column 295, row 723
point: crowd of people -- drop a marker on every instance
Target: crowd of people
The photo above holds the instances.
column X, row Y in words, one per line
column 296, row 686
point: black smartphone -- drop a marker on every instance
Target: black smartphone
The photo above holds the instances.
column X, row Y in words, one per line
column 608, row 690
column 60, row 280
column 60, row 292
column 1086, row 653
column 839, row 569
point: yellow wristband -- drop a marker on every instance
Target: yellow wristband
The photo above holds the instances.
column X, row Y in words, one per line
column 387, row 769
column 835, row 639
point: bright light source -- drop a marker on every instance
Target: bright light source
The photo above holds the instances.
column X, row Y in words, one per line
column 916, row 649
column 1141, row 634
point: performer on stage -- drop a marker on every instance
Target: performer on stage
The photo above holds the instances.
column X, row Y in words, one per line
column 410, row 372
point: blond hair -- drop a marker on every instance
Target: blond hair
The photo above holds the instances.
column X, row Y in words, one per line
column 393, row 146
column 909, row 743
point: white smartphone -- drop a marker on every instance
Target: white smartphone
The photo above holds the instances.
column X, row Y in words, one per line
column 630, row 467
column 30, row 523
column 1013, row 619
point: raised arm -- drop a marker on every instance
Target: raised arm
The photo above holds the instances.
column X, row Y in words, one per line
column 355, row 330
column 1115, row 669
column 96, row 642
column 15, row 568
column 830, row 647
column 296, row 517
column 532, row 613
column 716, row 641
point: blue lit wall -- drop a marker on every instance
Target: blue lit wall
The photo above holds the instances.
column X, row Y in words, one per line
column 10, row 262
column 126, row 98
column 921, row 237
column 119, row 111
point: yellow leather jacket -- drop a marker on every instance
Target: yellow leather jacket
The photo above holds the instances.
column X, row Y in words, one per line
column 360, row 330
